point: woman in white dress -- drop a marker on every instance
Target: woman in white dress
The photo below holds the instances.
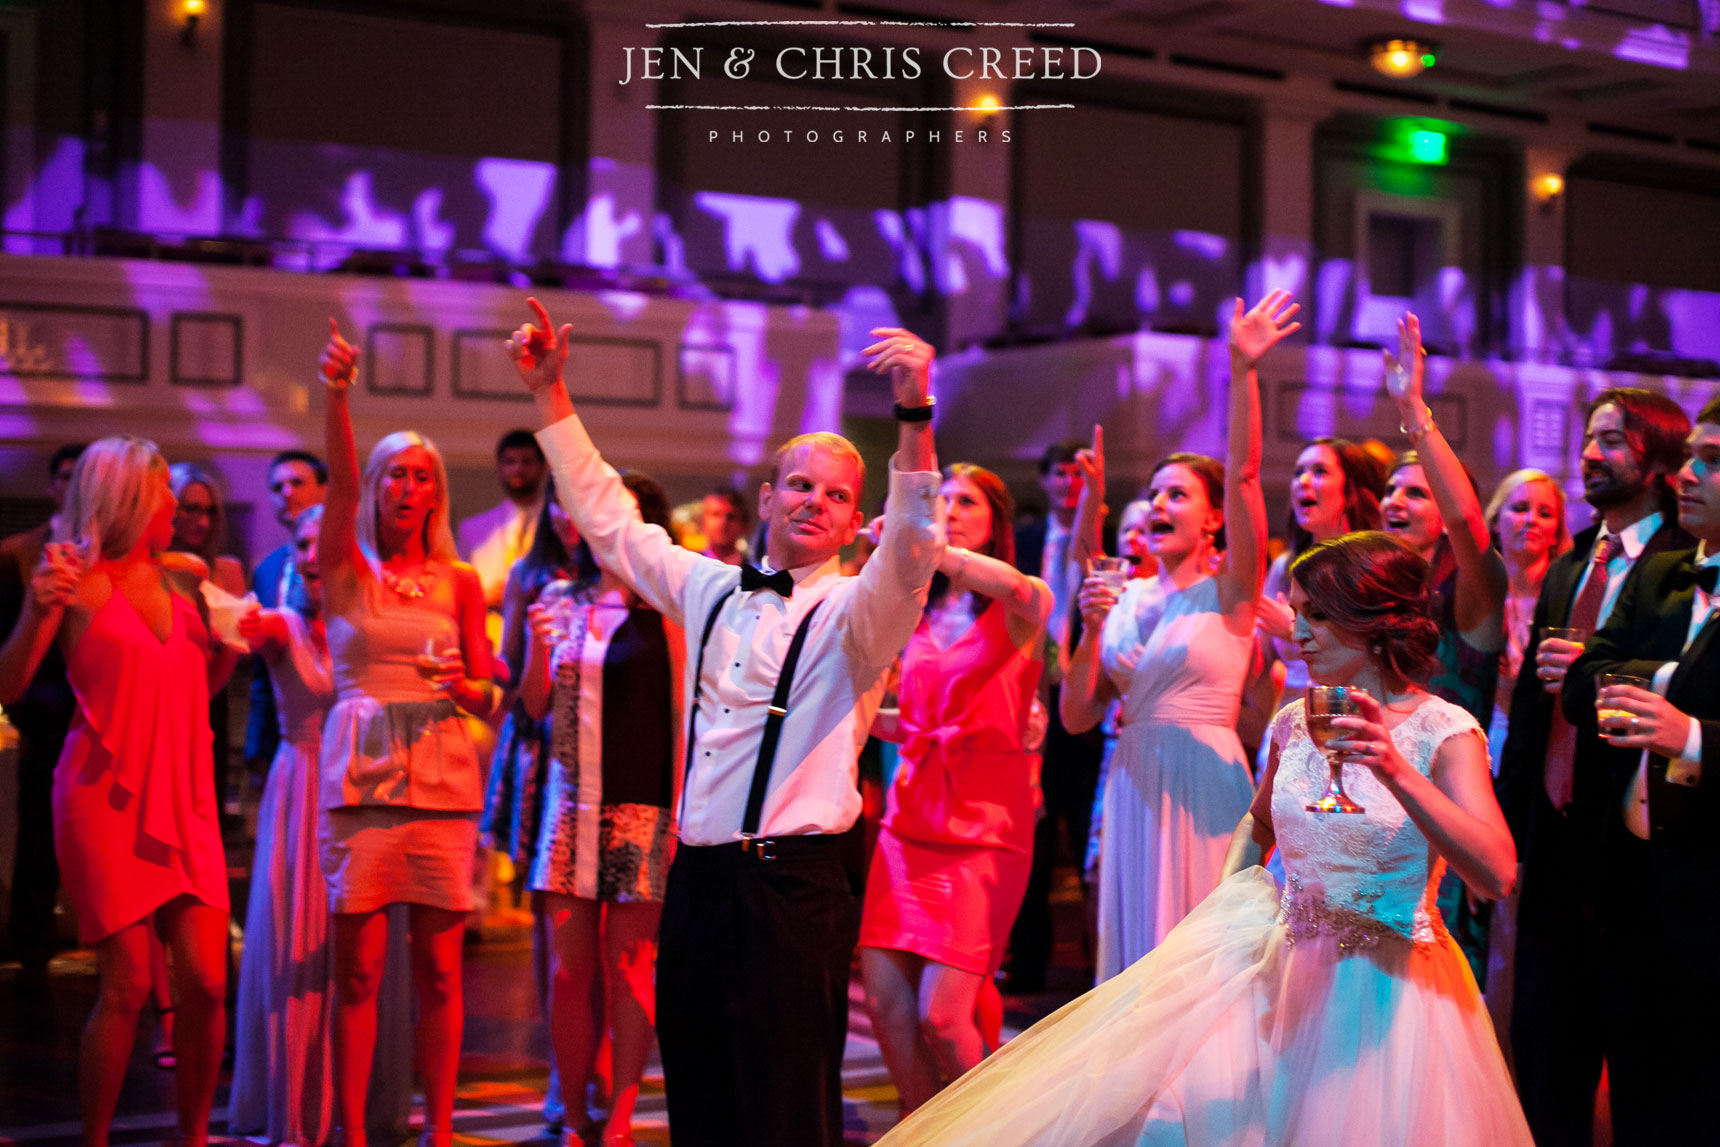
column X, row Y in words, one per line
column 1176, row 649
column 1336, row 1012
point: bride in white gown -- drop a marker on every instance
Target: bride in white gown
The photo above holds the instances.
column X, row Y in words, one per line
column 1334, row 1011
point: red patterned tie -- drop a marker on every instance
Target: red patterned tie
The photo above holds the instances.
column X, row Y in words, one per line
column 1562, row 736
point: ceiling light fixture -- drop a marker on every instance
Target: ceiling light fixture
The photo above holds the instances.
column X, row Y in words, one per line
column 1402, row 59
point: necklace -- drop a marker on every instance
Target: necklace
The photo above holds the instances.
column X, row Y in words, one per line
column 409, row 589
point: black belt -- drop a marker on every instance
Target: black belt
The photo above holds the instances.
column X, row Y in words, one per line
column 777, row 847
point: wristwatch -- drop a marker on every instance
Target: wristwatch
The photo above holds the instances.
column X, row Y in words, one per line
column 914, row 413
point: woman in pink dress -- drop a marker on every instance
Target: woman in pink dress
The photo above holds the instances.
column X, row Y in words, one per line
column 956, row 841
column 134, row 803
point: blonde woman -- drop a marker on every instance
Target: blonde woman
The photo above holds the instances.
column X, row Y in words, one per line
column 401, row 788
column 1526, row 520
column 134, row 803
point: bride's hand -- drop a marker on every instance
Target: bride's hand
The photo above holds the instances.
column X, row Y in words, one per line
column 1364, row 740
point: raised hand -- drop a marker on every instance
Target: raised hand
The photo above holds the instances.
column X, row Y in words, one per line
column 54, row 582
column 1092, row 464
column 908, row 360
column 1404, row 369
column 1256, row 331
column 339, row 366
column 539, row 351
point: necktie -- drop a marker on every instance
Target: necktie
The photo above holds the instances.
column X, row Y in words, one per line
column 754, row 578
column 1562, row 736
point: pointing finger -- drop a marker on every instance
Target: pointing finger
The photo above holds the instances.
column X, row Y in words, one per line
column 542, row 315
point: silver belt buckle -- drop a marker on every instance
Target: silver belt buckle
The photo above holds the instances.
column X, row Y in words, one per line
column 759, row 847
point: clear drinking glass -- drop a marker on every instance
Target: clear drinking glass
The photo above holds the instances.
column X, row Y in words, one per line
column 1324, row 703
column 1114, row 572
column 1605, row 712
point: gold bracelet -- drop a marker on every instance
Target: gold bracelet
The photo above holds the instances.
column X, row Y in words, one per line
column 961, row 569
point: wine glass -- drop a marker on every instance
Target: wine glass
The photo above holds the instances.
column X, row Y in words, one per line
column 1324, row 703
column 430, row 661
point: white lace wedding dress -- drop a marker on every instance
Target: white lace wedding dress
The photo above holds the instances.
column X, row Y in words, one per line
column 1336, row 1012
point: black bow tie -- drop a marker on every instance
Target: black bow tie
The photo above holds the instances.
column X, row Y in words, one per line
column 754, row 578
column 1706, row 576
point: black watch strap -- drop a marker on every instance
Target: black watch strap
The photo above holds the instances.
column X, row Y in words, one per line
column 914, row 413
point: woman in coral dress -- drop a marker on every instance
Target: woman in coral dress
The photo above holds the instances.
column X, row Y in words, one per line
column 135, row 825
column 956, row 841
column 1336, row 1011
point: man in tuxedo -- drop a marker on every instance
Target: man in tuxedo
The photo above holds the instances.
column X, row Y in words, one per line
column 1633, row 443
column 1657, row 776
column 1069, row 768
column 297, row 481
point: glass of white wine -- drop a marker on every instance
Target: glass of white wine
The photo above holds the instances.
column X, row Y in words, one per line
column 1608, row 713
column 1114, row 572
column 1324, row 703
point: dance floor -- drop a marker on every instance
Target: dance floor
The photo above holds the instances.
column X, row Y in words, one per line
column 503, row 1065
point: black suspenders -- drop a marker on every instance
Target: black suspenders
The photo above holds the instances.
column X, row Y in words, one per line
column 772, row 722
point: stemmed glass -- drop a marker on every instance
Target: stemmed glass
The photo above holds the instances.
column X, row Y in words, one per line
column 1324, row 703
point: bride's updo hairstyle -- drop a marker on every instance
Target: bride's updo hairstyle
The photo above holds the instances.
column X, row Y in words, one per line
column 1373, row 586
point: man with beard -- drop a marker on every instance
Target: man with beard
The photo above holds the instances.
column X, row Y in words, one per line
column 1633, row 444
column 1658, row 913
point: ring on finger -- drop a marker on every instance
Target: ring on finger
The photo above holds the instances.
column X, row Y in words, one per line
column 1635, row 724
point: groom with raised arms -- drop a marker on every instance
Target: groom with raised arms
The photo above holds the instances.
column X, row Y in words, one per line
column 785, row 670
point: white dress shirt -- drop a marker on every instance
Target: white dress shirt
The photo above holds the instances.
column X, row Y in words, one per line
column 861, row 628
column 1686, row 768
column 1633, row 539
column 494, row 540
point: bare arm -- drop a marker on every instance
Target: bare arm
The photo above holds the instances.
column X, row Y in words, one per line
column 1087, row 689
column 338, row 557
column 1454, row 807
column 474, row 692
column 535, row 685
column 1027, row 600
column 1252, row 334
column 1482, row 581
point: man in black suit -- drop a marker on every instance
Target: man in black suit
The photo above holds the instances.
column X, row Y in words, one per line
column 1069, row 768
column 1658, row 779
column 1633, row 443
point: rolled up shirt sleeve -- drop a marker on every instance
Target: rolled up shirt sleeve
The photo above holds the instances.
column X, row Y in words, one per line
column 892, row 590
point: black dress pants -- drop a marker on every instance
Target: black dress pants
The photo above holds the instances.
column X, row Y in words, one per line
column 752, row 992
column 1662, row 1011
column 1557, row 1032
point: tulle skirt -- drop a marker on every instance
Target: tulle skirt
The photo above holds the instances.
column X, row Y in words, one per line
column 1228, row 1033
